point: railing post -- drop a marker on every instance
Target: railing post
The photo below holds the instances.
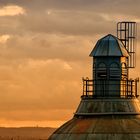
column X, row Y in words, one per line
column 126, row 94
column 93, row 87
column 83, row 86
column 86, row 87
column 136, row 88
column 131, row 88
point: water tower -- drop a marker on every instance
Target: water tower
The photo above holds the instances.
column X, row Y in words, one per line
column 109, row 107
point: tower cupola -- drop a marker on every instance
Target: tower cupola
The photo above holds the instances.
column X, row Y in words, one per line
column 110, row 59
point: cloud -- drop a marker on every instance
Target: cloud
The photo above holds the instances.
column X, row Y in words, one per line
column 40, row 88
column 11, row 10
column 128, row 7
column 47, row 46
column 73, row 18
column 119, row 17
column 4, row 38
column 65, row 22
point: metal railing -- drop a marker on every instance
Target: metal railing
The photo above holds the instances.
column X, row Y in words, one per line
column 110, row 88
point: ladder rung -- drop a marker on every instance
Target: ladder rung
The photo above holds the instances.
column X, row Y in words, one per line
column 123, row 30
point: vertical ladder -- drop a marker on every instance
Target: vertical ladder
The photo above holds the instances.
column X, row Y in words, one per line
column 126, row 32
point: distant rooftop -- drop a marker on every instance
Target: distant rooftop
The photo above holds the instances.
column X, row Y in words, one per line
column 109, row 46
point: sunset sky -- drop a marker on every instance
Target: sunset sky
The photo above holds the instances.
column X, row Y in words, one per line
column 44, row 53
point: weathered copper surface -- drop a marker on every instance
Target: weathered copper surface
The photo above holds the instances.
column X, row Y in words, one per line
column 109, row 106
column 95, row 120
column 110, row 127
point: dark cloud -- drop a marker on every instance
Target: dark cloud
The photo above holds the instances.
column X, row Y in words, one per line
column 67, row 22
column 56, row 22
column 106, row 6
column 69, row 17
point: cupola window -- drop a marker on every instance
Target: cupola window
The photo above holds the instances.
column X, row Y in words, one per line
column 101, row 71
column 114, row 71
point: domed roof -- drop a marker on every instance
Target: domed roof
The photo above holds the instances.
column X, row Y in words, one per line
column 109, row 46
column 102, row 119
column 114, row 127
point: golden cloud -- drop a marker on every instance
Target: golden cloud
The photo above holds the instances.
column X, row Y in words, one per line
column 4, row 38
column 11, row 10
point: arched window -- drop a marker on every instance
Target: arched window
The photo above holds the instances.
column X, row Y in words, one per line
column 101, row 71
column 114, row 71
column 102, row 65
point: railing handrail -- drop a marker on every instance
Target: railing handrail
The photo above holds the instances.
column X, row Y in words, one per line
column 127, row 87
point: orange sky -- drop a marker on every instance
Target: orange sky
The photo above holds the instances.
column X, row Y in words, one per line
column 44, row 53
